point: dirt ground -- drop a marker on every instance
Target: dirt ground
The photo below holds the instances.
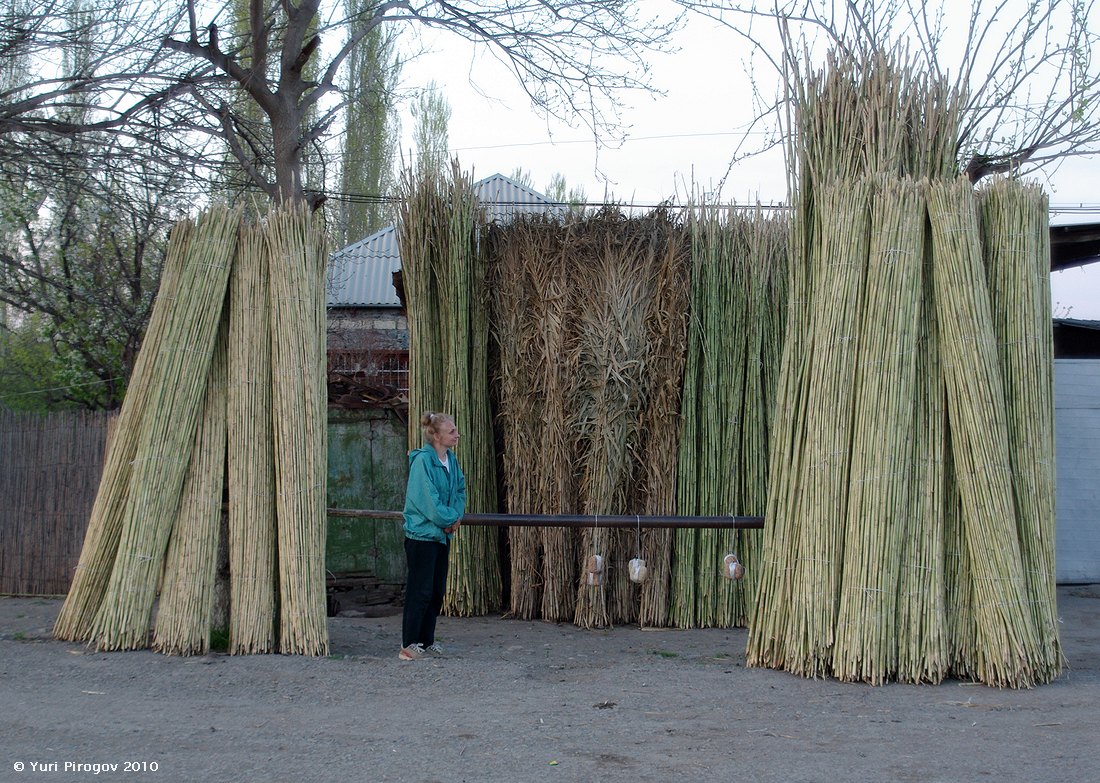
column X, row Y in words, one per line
column 525, row 701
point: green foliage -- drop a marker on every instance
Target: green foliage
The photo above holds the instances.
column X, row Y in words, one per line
column 369, row 142
column 432, row 114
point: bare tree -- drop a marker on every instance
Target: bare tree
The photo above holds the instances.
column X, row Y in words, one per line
column 1026, row 68
column 80, row 258
column 572, row 58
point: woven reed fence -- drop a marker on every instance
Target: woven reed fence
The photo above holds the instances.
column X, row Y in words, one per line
column 49, row 471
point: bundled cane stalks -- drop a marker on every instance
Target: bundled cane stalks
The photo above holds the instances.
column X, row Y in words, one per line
column 186, row 608
column 881, row 454
column 925, row 580
column 251, row 468
column 166, row 434
column 298, row 253
column 159, row 513
column 923, row 633
column 100, row 548
column 1015, row 244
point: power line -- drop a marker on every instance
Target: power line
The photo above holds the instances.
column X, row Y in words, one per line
column 62, row 388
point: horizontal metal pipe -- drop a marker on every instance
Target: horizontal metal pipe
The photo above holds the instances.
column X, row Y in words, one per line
column 575, row 520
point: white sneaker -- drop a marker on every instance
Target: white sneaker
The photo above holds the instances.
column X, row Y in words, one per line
column 435, row 649
column 412, row 652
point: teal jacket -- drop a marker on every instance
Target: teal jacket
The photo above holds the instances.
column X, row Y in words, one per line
column 435, row 497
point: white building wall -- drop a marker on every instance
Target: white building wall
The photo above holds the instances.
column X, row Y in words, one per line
column 1077, row 447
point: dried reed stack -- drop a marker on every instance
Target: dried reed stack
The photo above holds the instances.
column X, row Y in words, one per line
column 923, row 635
column 298, row 252
column 446, row 274
column 880, row 473
column 251, row 467
column 615, row 291
column 1016, row 246
column 167, row 432
column 186, row 608
column 590, row 321
column 667, row 327
column 856, row 121
column 531, row 323
column 1008, row 648
column 158, row 513
column 97, row 556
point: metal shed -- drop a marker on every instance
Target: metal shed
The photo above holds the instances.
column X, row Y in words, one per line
column 361, row 274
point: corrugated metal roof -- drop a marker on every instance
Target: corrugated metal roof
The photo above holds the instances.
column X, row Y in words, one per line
column 1078, row 322
column 361, row 274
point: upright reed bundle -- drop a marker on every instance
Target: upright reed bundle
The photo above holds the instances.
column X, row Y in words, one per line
column 160, row 502
column 186, row 608
column 819, row 503
column 1007, row 642
column 1016, row 246
column 737, row 313
column 923, row 635
column 709, row 453
column 925, row 579
column 105, row 526
column 446, row 276
column 615, row 293
column 590, row 323
column 298, row 253
column 251, row 468
column 177, row 381
column 766, row 257
column 667, row 327
column 531, row 325
column 881, row 472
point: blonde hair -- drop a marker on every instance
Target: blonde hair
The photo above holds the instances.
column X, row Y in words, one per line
column 430, row 423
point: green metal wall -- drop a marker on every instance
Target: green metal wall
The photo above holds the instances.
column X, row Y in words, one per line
column 368, row 466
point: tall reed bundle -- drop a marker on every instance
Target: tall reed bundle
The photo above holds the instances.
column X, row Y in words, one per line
column 859, row 118
column 590, row 323
column 177, row 382
column 446, row 276
column 1016, row 239
column 531, row 323
column 710, row 466
column 682, row 582
column 1007, row 643
column 764, row 324
column 667, row 328
column 251, row 468
column 881, row 453
column 726, row 404
column 97, row 557
column 615, row 295
column 820, row 502
column 186, row 608
column 298, row 252
column 923, row 632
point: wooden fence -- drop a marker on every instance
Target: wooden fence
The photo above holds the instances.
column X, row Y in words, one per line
column 49, row 473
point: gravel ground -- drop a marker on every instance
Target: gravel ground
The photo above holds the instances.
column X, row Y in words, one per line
column 525, row 701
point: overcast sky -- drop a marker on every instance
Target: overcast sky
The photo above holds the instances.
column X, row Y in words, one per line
column 688, row 135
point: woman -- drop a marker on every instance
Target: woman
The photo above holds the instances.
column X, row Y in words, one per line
column 434, row 503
